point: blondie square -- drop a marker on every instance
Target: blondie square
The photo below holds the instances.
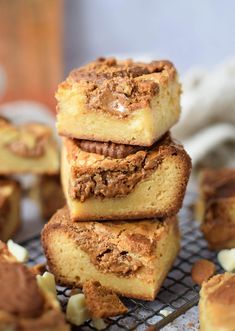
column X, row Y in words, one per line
column 120, row 101
column 111, row 181
column 216, row 207
column 29, row 148
column 129, row 258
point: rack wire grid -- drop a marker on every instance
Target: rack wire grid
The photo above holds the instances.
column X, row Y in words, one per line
column 177, row 294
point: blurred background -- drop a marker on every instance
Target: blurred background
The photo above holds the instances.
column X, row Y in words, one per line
column 42, row 40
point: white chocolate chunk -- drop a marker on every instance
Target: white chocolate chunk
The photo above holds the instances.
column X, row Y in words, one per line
column 76, row 311
column 19, row 252
column 226, row 258
column 46, row 282
column 98, row 323
column 165, row 312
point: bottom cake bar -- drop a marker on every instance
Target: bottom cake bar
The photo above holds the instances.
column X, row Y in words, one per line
column 130, row 258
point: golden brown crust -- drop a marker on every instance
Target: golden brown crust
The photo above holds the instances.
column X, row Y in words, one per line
column 105, row 177
column 202, row 270
column 101, row 302
column 119, row 87
column 217, row 303
column 218, row 197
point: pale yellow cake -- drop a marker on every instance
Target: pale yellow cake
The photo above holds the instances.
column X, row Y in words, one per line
column 146, row 183
column 10, row 194
column 215, row 207
column 29, row 148
column 120, row 101
column 217, row 303
column 130, row 258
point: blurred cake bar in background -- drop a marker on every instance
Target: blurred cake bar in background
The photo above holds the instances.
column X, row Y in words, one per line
column 120, row 101
column 129, row 258
column 112, row 181
column 216, row 207
column 217, row 303
column 23, row 304
column 10, row 194
column 47, row 192
column 27, row 148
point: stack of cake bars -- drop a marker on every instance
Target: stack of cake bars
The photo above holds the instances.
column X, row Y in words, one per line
column 123, row 176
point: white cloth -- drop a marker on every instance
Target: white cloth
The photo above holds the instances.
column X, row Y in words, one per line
column 207, row 124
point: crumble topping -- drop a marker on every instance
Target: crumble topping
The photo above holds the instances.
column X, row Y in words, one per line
column 119, row 87
column 108, row 177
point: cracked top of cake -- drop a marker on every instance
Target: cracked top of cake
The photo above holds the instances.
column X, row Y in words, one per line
column 120, row 86
column 122, row 247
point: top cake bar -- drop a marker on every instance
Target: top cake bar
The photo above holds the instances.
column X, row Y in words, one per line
column 120, row 101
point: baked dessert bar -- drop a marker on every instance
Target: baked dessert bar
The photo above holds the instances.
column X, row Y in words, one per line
column 123, row 182
column 10, row 194
column 48, row 193
column 216, row 207
column 129, row 258
column 23, row 305
column 217, row 303
column 29, row 148
column 120, row 101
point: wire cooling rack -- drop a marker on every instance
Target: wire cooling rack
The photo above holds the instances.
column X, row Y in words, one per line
column 178, row 292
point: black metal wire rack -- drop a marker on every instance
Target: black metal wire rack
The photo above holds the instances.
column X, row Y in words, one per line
column 178, row 292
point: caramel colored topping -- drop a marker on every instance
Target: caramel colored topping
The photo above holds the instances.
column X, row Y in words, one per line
column 202, row 270
column 19, row 293
column 118, row 248
column 218, row 183
column 103, row 177
column 120, row 87
column 101, row 302
column 115, row 151
column 30, row 141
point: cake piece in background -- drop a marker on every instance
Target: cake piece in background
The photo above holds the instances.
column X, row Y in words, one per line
column 48, row 193
column 217, row 303
column 10, row 195
column 129, row 258
column 111, row 181
column 216, row 207
column 28, row 148
column 23, row 304
column 120, row 101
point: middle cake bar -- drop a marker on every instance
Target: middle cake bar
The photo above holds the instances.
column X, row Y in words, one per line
column 112, row 181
